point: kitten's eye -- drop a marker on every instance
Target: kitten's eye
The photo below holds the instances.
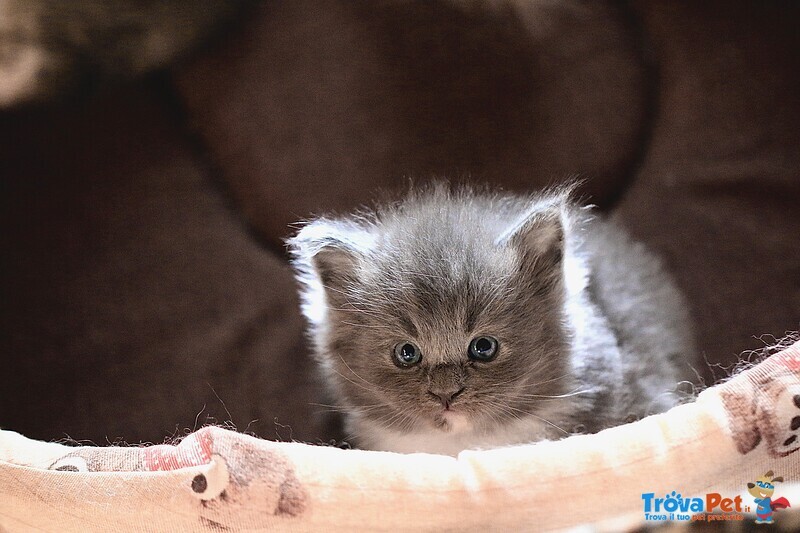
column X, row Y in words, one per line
column 483, row 349
column 407, row 354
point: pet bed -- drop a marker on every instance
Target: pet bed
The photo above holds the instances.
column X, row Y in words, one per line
column 215, row 479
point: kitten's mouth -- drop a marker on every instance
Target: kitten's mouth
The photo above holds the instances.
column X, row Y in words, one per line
column 454, row 421
column 446, row 417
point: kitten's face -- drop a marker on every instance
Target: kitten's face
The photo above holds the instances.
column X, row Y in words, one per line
column 438, row 328
column 418, row 350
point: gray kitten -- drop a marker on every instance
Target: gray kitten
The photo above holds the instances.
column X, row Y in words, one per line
column 455, row 319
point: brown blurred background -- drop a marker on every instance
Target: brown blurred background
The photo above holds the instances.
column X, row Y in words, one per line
column 145, row 287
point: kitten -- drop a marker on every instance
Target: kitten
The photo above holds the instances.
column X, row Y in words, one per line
column 455, row 319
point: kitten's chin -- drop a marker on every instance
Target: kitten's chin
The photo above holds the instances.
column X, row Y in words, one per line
column 455, row 422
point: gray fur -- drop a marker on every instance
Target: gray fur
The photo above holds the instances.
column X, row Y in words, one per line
column 591, row 330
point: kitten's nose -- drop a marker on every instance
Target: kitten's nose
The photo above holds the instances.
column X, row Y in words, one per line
column 446, row 396
column 445, row 382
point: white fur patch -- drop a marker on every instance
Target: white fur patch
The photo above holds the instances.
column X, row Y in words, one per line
column 438, row 441
column 457, row 422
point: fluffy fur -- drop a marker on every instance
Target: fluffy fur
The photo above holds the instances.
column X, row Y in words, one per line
column 591, row 331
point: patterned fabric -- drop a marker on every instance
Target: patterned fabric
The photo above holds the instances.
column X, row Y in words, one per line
column 218, row 480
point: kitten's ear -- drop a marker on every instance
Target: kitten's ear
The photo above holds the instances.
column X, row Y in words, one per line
column 335, row 264
column 329, row 250
column 539, row 234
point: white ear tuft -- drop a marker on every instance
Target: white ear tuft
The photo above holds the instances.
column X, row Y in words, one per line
column 331, row 250
column 539, row 233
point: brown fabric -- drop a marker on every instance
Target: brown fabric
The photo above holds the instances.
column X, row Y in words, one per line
column 315, row 104
column 135, row 304
column 130, row 277
column 718, row 190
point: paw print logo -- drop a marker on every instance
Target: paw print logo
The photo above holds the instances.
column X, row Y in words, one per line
column 795, row 425
column 672, row 502
column 765, row 410
column 787, row 408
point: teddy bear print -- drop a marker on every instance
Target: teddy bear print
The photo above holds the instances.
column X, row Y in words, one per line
column 245, row 479
column 765, row 407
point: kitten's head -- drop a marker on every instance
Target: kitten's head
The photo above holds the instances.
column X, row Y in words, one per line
column 443, row 311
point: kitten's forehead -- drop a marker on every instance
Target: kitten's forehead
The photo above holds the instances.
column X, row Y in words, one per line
column 438, row 270
column 437, row 264
column 467, row 217
column 451, row 238
column 447, row 260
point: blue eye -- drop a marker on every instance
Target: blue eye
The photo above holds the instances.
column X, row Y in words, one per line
column 407, row 354
column 483, row 349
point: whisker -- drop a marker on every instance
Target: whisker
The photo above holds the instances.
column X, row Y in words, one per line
column 357, row 384
column 550, row 380
column 357, row 374
column 346, row 409
column 544, row 396
column 550, row 423
column 527, row 413
column 370, row 326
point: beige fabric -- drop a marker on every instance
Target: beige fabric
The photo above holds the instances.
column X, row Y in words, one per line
column 216, row 479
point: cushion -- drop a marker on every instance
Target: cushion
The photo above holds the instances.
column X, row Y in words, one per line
column 699, row 455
